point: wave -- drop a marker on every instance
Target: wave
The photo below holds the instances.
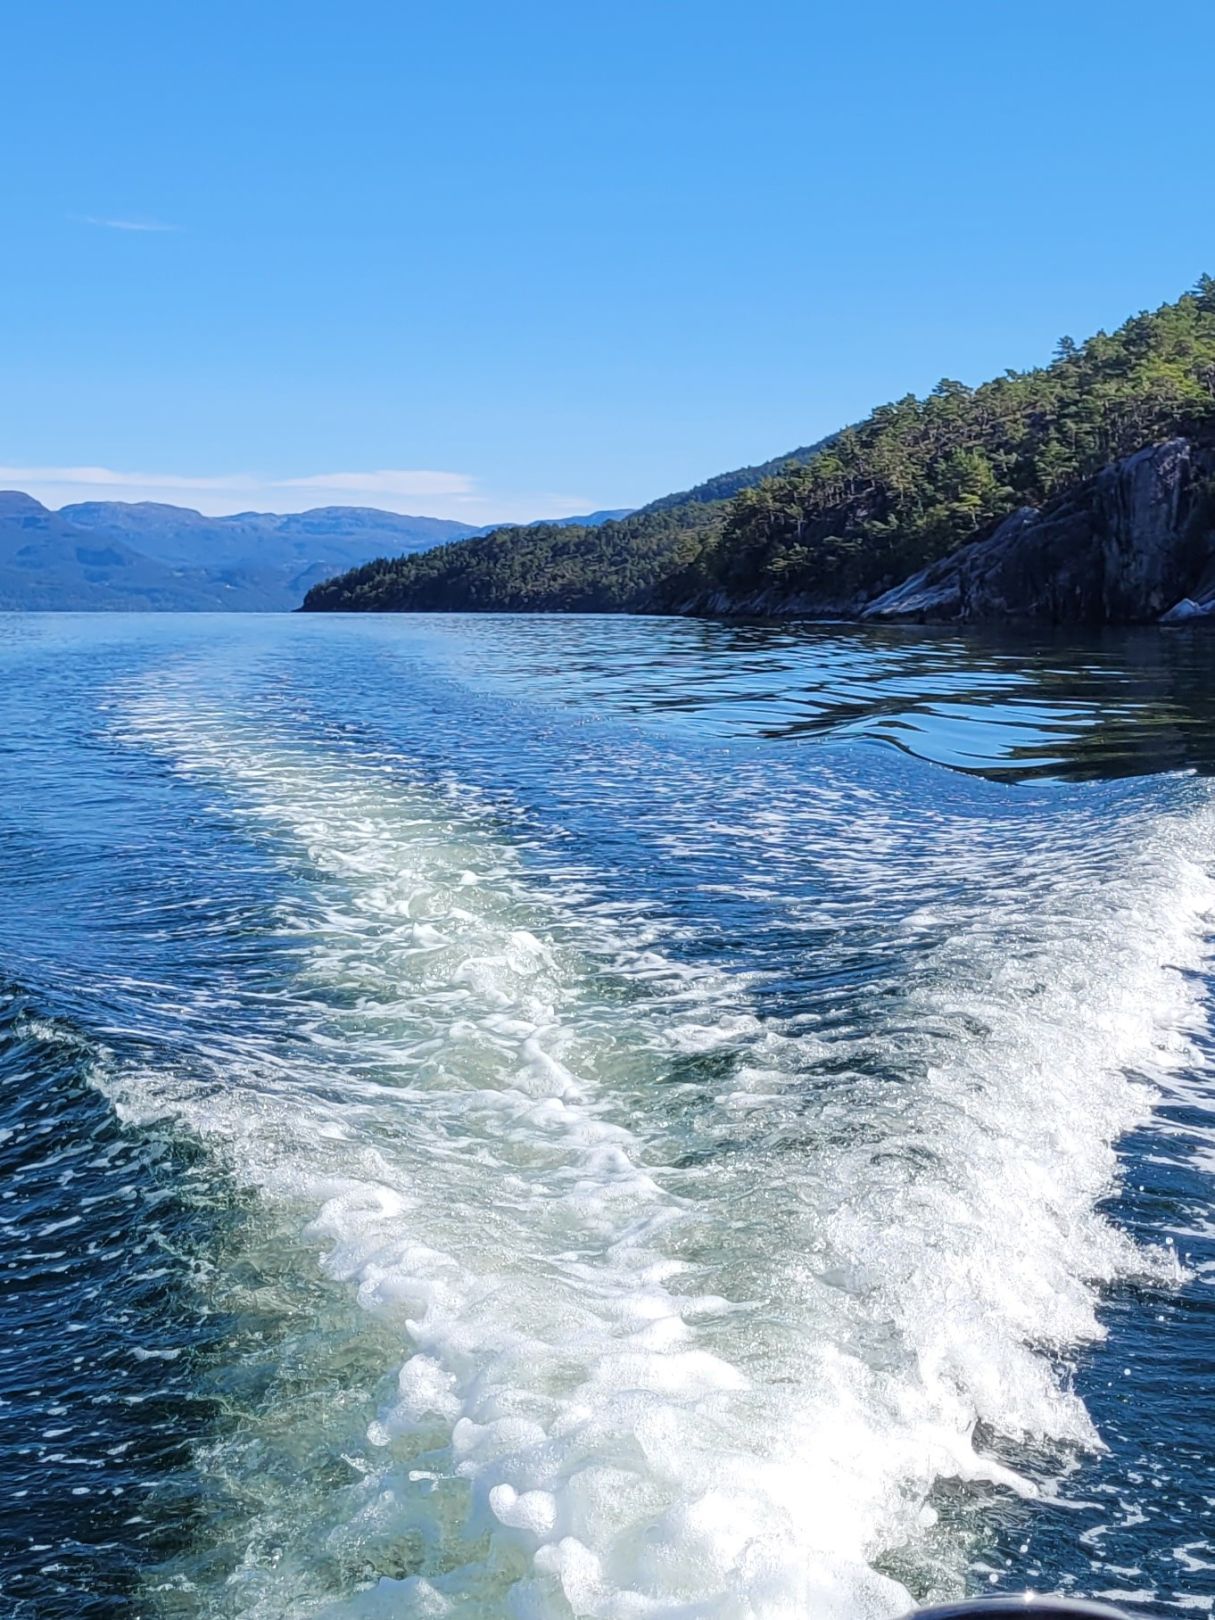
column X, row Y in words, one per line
column 98, row 1326
column 695, row 1305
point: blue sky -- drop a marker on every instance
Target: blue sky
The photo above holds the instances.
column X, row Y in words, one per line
column 498, row 261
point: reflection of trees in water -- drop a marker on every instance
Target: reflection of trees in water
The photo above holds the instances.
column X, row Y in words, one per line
column 1012, row 703
column 1152, row 700
column 1100, row 703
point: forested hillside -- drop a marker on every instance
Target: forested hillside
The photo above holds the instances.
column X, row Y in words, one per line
column 625, row 565
column 725, row 485
column 540, row 568
column 918, row 478
column 839, row 522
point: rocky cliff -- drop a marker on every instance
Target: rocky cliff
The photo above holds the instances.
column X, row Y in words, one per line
column 1133, row 545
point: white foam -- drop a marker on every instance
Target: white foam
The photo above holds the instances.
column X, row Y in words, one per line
column 667, row 1361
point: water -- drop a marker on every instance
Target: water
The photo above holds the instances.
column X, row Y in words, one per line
column 626, row 1119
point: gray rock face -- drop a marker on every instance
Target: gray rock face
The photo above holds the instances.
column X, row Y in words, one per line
column 770, row 603
column 1122, row 549
column 1199, row 604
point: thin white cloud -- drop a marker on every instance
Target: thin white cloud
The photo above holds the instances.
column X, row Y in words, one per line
column 419, row 491
column 387, row 481
column 128, row 224
column 108, row 478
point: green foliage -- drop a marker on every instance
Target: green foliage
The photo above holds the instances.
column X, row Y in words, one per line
column 542, row 568
column 726, row 485
column 626, row 565
column 919, row 477
column 834, row 522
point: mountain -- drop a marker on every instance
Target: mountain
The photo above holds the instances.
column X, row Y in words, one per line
column 48, row 562
column 589, row 520
column 326, row 535
column 601, row 563
column 124, row 555
column 830, row 529
column 251, row 560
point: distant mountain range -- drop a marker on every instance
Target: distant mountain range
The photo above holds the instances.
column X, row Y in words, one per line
column 118, row 555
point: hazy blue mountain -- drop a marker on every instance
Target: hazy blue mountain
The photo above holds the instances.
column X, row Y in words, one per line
column 144, row 554
column 588, row 520
column 48, row 562
column 123, row 555
column 297, row 547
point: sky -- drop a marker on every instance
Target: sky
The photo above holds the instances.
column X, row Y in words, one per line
column 500, row 261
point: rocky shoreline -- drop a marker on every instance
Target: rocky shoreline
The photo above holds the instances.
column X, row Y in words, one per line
column 1134, row 545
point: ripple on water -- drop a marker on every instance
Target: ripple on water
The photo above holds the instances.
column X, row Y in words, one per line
column 609, row 1155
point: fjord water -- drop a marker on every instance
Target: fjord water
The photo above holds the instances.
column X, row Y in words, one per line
column 616, row 1118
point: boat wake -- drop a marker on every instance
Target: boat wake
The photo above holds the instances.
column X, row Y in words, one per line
column 645, row 1296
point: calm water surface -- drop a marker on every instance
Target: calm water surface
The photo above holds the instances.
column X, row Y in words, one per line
column 631, row 1119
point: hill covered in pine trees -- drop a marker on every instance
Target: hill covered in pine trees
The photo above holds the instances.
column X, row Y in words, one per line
column 832, row 526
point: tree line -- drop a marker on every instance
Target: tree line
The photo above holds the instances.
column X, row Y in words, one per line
column 835, row 522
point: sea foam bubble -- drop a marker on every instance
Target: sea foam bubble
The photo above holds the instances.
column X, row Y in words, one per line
column 697, row 1349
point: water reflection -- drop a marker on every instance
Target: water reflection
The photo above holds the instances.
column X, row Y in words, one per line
column 1065, row 704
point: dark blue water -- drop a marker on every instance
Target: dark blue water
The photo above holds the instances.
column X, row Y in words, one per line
column 602, row 1117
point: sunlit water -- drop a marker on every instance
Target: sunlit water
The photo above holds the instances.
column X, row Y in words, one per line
column 630, row 1119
